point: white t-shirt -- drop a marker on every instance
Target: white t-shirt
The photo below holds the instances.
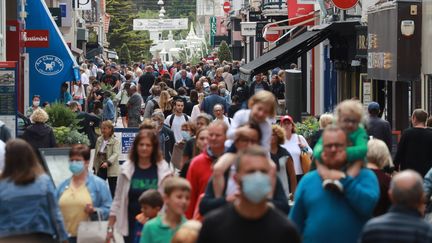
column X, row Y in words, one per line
column 227, row 120
column 85, row 79
column 176, row 125
column 293, row 148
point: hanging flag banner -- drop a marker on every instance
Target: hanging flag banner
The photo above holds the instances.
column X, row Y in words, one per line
column 49, row 67
column 295, row 9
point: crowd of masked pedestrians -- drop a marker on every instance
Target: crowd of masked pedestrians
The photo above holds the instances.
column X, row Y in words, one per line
column 212, row 161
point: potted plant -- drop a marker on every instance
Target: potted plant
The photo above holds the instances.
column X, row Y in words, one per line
column 65, row 126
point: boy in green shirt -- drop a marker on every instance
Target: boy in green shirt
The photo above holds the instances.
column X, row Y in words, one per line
column 176, row 198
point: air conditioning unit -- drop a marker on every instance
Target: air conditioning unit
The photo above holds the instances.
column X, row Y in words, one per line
column 82, row 34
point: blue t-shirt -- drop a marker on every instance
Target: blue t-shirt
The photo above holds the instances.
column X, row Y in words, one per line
column 142, row 180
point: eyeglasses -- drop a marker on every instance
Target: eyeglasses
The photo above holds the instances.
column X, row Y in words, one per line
column 352, row 121
column 338, row 146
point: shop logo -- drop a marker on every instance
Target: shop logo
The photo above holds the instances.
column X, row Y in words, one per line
column 49, row 65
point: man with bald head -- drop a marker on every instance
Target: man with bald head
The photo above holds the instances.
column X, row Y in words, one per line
column 404, row 222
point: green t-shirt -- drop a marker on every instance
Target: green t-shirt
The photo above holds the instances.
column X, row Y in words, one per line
column 355, row 151
column 155, row 231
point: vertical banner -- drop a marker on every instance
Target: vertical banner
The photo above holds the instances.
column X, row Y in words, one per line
column 213, row 29
column 8, row 96
column 52, row 64
column 295, row 9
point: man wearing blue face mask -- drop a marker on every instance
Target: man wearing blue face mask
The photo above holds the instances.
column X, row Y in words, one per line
column 250, row 218
column 82, row 195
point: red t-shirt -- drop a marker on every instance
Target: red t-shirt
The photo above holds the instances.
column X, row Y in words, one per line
column 199, row 173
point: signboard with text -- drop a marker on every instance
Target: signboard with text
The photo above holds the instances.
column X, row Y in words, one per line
column 160, row 24
column 213, row 29
column 248, row 28
column 83, row 4
column 8, row 95
column 36, row 38
column 126, row 137
column 393, row 55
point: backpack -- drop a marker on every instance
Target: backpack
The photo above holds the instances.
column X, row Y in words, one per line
column 172, row 119
column 155, row 104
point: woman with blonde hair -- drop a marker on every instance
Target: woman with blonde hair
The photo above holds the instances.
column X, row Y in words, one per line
column 165, row 103
column 196, row 109
column 39, row 134
column 218, row 75
column 107, row 152
column 378, row 157
column 283, row 160
column 324, row 120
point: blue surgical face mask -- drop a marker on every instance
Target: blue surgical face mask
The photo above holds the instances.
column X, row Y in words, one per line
column 76, row 166
column 256, row 186
column 186, row 136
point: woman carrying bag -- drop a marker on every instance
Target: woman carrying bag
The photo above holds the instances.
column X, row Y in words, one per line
column 27, row 197
column 107, row 152
column 145, row 169
column 83, row 194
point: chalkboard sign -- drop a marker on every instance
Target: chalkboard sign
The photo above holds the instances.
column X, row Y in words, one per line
column 126, row 137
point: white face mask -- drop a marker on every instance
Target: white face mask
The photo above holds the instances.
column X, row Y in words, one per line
column 36, row 103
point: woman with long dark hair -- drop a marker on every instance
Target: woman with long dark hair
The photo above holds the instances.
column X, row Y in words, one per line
column 29, row 212
column 145, row 169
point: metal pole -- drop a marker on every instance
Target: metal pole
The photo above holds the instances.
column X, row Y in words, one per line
column 2, row 30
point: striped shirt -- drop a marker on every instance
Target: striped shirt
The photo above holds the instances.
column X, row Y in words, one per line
column 400, row 224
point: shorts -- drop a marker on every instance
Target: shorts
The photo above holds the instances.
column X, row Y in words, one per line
column 123, row 110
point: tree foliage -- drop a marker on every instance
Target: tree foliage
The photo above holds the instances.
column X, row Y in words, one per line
column 121, row 29
column 124, row 54
column 121, row 25
column 224, row 52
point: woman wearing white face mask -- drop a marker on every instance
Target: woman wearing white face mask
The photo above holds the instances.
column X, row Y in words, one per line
column 83, row 194
column 35, row 105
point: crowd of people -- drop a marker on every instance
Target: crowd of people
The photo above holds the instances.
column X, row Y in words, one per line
column 212, row 162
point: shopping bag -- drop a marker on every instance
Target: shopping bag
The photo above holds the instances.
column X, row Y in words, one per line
column 96, row 232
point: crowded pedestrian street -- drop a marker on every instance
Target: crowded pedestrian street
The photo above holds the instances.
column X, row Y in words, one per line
column 201, row 121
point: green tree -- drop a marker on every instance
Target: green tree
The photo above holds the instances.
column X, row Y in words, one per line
column 121, row 29
column 224, row 52
column 124, row 54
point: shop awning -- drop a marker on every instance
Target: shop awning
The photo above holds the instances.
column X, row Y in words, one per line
column 294, row 48
column 50, row 60
column 287, row 52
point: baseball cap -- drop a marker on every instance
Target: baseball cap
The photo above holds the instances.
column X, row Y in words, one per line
column 373, row 106
column 287, row 118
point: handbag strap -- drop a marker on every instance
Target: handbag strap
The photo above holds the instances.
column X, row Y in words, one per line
column 52, row 207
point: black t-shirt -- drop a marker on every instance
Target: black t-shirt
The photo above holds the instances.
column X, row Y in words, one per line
column 279, row 154
column 233, row 109
column 189, row 147
column 225, row 225
column 142, row 180
column 414, row 150
column 109, row 80
column 146, row 81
